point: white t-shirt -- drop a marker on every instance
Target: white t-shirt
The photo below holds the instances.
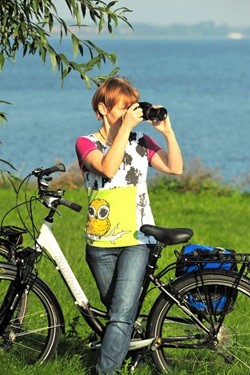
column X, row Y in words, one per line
column 118, row 207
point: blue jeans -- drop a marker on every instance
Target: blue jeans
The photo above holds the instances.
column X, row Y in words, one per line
column 119, row 274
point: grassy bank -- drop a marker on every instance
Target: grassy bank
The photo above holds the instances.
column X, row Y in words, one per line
column 216, row 219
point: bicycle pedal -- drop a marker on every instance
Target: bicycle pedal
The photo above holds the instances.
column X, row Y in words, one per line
column 95, row 345
column 92, row 337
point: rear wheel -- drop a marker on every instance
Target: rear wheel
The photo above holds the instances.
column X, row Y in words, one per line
column 33, row 333
column 225, row 348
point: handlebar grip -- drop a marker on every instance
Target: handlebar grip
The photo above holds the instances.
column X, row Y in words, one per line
column 60, row 167
column 74, row 206
column 39, row 172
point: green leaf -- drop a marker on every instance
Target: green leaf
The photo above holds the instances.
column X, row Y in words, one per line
column 110, row 28
column 52, row 56
column 35, row 6
column 65, row 72
column 75, row 66
column 75, row 43
column 87, row 81
column 51, row 22
column 114, row 18
column 42, row 51
column 42, row 36
column 114, row 72
column 4, row 102
column 111, row 4
column 81, row 49
column 8, row 163
column 64, row 59
column 2, row 59
column 93, row 15
column 16, row 32
column 77, row 14
column 83, row 9
column 3, row 117
column 63, row 25
column 113, row 58
column 101, row 23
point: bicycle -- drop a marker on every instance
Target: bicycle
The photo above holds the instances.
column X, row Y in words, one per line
column 198, row 316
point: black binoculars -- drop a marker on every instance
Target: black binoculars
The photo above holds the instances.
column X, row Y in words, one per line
column 151, row 113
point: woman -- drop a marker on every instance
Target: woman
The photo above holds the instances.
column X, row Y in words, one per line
column 114, row 161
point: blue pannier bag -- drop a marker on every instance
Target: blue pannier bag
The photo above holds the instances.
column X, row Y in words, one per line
column 212, row 299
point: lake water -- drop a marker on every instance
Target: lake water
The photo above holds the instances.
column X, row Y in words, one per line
column 205, row 85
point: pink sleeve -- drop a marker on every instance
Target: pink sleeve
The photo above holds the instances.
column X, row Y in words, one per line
column 152, row 146
column 83, row 147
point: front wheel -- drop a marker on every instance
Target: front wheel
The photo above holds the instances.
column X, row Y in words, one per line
column 33, row 333
column 6, row 254
column 224, row 347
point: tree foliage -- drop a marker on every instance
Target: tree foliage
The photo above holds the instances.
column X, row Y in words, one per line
column 30, row 23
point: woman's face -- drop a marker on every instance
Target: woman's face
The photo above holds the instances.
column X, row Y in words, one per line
column 114, row 116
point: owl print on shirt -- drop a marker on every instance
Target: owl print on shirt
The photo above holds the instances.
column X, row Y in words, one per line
column 98, row 224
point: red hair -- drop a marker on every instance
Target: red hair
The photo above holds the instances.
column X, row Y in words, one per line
column 113, row 90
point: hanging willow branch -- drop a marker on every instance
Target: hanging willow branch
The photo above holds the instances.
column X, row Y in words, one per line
column 30, row 23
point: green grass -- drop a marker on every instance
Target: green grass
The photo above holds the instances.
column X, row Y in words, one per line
column 216, row 220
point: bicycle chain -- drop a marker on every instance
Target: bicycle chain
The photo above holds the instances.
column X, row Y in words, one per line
column 189, row 360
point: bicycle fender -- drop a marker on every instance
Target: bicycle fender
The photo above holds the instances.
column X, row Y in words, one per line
column 4, row 242
column 8, row 266
column 12, row 267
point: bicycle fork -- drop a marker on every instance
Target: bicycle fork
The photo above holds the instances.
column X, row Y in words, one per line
column 16, row 290
column 10, row 303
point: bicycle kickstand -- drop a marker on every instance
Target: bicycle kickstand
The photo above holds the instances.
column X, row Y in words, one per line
column 136, row 359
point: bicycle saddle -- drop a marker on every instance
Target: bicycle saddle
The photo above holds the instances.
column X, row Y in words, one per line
column 169, row 236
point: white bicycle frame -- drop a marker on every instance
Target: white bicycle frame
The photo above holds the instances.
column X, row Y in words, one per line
column 47, row 240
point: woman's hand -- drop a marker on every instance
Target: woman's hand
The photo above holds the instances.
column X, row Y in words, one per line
column 132, row 116
column 162, row 126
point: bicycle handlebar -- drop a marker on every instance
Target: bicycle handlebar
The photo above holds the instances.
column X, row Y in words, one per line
column 39, row 172
column 74, row 206
column 50, row 196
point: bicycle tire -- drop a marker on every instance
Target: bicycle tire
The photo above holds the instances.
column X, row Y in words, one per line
column 227, row 352
column 34, row 338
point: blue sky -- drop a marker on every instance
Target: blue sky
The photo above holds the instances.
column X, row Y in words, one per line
column 166, row 12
